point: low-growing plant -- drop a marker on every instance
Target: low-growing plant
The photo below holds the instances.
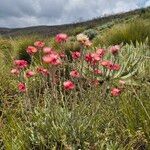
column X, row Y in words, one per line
column 91, row 33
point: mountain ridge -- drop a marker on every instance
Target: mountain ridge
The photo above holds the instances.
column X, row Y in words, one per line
column 54, row 29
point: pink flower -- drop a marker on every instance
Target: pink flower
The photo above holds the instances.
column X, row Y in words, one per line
column 53, row 59
column 75, row 74
column 62, row 55
column 20, row 64
column 115, row 49
column 76, row 55
column 39, row 44
column 47, row 50
column 43, row 71
column 15, row 72
column 30, row 74
column 88, row 58
column 68, row 85
column 115, row 67
column 101, row 52
column 31, row 50
column 115, row 92
column 95, row 57
column 106, row 63
column 61, row 38
column 98, row 72
column 92, row 58
column 22, row 87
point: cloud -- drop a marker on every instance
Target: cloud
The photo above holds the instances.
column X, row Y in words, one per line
column 21, row 13
column 147, row 3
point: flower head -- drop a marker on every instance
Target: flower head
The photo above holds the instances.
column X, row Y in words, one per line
column 62, row 55
column 115, row 92
column 98, row 72
column 82, row 38
column 30, row 74
column 106, row 63
column 115, row 67
column 101, row 52
column 61, row 37
column 53, row 59
column 115, row 49
column 21, row 64
column 109, row 65
column 95, row 57
column 88, row 58
column 92, row 58
column 39, row 44
column 22, row 87
column 15, row 72
column 68, row 85
column 47, row 50
column 43, row 71
column 75, row 74
column 76, row 55
column 31, row 50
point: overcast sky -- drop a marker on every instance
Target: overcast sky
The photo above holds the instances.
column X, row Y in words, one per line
column 22, row 13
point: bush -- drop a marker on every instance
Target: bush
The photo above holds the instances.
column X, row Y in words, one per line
column 125, row 33
column 91, row 33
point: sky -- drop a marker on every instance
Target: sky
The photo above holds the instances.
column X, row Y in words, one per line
column 23, row 13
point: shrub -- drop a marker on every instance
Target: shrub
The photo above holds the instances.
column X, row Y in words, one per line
column 91, row 33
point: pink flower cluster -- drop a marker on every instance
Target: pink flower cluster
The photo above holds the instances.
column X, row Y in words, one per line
column 61, row 37
column 110, row 65
column 51, row 58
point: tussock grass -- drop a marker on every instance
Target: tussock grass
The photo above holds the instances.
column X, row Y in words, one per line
column 137, row 30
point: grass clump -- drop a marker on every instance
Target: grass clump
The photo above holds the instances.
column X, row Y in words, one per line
column 130, row 32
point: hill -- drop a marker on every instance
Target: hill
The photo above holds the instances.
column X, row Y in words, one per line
column 52, row 30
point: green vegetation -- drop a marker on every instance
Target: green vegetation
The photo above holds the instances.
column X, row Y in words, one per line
column 87, row 117
column 137, row 30
column 87, row 122
column 91, row 33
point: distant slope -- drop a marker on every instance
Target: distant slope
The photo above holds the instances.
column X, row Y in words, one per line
column 52, row 30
